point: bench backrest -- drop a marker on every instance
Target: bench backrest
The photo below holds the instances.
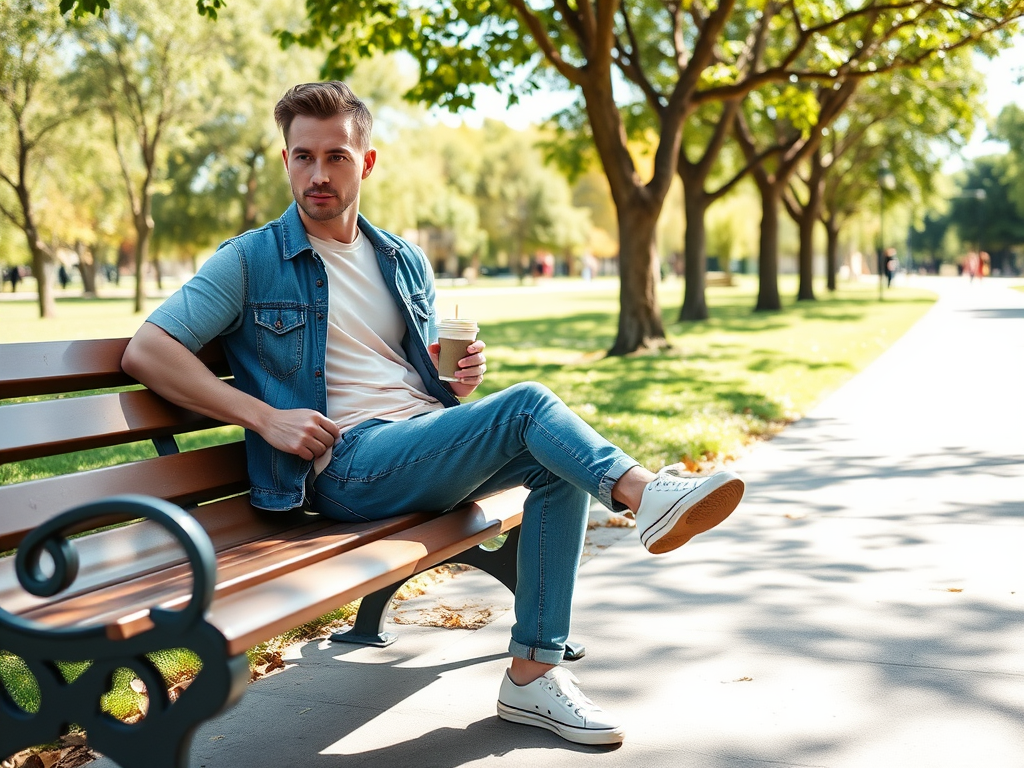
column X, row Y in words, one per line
column 57, row 398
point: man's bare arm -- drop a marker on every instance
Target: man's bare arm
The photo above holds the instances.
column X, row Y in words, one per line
column 159, row 361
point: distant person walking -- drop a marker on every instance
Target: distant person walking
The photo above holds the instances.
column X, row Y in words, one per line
column 892, row 264
column 972, row 266
column 14, row 275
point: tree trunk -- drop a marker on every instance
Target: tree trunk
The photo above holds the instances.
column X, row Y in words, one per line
column 807, row 221
column 42, row 269
column 42, row 265
column 249, row 210
column 640, row 325
column 808, row 218
column 768, row 277
column 637, row 207
column 86, row 268
column 832, row 253
column 143, row 230
column 695, row 263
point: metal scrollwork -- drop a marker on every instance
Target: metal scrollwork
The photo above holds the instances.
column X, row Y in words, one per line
column 163, row 736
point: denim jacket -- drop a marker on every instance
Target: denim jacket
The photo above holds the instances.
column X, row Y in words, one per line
column 265, row 294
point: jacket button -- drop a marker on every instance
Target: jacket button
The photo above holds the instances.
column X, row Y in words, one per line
column 318, row 373
column 319, row 315
column 278, row 324
column 319, row 283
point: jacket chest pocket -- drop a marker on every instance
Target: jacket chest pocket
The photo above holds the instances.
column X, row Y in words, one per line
column 279, row 337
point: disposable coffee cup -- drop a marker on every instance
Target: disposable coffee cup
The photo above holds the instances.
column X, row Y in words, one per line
column 454, row 337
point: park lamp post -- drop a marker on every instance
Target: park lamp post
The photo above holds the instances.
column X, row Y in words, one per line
column 886, row 183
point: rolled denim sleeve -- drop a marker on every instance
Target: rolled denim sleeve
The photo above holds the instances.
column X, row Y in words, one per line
column 208, row 305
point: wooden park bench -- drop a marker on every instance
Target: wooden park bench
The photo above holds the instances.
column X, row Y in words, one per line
column 198, row 568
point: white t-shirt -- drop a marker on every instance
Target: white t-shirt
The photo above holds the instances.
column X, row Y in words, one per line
column 366, row 372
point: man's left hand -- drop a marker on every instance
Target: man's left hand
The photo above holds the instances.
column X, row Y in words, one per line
column 471, row 368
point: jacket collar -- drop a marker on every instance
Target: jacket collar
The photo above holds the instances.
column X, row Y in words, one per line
column 296, row 240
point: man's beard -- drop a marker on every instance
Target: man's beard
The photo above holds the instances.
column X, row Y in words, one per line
column 320, row 212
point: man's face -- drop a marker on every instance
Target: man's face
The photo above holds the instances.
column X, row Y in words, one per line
column 326, row 166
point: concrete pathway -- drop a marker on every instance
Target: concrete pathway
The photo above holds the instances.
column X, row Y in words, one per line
column 863, row 608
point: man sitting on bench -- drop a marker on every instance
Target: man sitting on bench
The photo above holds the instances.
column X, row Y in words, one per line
column 328, row 326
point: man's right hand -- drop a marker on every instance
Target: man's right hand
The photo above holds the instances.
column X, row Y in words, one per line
column 305, row 433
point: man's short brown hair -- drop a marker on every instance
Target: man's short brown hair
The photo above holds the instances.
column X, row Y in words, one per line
column 324, row 101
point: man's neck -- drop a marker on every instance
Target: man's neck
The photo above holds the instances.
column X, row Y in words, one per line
column 344, row 228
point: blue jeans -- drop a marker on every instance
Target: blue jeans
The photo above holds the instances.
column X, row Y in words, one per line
column 523, row 435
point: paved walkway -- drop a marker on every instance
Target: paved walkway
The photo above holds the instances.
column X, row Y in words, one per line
column 864, row 608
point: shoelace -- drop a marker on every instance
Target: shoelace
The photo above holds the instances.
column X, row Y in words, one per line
column 663, row 483
column 565, row 684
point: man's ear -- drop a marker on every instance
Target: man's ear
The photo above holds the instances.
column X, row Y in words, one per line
column 284, row 156
column 369, row 160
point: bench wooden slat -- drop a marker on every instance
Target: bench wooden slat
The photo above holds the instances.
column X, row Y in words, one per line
column 240, row 567
column 416, row 542
column 51, row 367
column 51, row 427
column 48, row 367
column 254, row 615
column 184, row 479
column 136, row 550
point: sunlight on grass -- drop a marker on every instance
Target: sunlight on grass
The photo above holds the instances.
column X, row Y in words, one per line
column 735, row 378
column 738, row 377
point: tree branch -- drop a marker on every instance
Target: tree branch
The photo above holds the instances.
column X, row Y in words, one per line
column 630, row 65
column 19, row 223
column 540, row 34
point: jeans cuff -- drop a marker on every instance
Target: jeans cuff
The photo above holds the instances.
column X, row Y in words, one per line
column 543, row 655
column 621, row 466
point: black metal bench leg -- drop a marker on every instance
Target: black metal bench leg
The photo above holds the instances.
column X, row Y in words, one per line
column 499, row 563
column 369, row 625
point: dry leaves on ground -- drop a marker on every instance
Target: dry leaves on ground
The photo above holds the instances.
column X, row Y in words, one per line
column 70, row 752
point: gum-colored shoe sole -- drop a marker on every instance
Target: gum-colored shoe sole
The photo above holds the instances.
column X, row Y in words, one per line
column 702, row 516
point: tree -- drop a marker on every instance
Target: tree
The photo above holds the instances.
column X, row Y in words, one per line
column 901, row 119
column 519, row 45
column 33, row 110
column 984, row 212
column 225, row 177
column 858, row 45
column 140, row 66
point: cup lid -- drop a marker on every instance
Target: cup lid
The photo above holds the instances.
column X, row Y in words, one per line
column 453, row 324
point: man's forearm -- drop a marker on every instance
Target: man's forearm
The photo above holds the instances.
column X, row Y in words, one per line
column 163, row 364
column 173, row 372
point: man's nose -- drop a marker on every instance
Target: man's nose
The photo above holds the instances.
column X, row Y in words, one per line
column 319, row 174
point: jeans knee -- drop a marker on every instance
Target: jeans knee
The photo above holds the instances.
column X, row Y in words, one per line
column 532, row 392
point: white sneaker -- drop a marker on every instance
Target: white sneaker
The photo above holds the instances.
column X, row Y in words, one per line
column 555, row 701
column 674, row 509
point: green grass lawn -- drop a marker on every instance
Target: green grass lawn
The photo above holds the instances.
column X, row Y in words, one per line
column 737, row 377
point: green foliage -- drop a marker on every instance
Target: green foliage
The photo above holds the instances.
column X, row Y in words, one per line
column 486, row 191
column 97, row 7
column 126, row 700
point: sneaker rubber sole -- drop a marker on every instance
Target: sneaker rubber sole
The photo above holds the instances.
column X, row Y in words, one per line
column 568, row 732
column 678, row 526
